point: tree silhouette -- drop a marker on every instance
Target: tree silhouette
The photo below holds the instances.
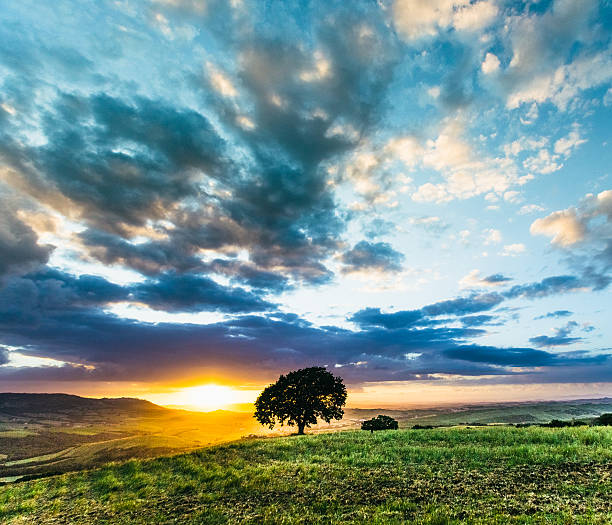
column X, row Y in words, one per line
column 300, row 397
column 380, row 422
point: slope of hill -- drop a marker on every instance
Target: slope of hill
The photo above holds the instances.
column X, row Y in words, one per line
column 69, row 407
column 43, row 434
column 457, row 475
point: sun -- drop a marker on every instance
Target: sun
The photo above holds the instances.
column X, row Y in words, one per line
column 208, row 397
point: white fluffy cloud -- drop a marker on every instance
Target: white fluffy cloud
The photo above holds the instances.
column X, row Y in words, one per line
column 416, row 19
column 563, row 226
column 492, row 236
column 564, row 146
column 466, row 172
column 513, row 250
column 544, row 65
column 573, row 225
column 490, row 64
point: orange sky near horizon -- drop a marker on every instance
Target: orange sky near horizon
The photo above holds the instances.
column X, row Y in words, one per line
column 212, row 395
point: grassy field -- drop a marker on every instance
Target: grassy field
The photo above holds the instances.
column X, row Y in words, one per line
column 453, row 475
column 43, row 434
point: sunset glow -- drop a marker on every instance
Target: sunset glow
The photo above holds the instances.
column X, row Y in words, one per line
column 205, row 398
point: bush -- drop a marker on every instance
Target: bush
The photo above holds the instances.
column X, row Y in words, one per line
column 557, row 423
column 604, row 419
column 380, row 422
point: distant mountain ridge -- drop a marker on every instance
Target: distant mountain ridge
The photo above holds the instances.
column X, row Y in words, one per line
column 20, row 404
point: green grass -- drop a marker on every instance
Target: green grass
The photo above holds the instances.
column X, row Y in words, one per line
column 486, row 475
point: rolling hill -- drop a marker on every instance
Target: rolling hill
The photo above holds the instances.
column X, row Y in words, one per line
column 442, row 476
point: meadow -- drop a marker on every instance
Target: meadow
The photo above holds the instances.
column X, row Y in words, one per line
column 495, row 474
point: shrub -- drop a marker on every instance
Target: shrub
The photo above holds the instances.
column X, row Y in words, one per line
column 380, row 422
column 604, row 419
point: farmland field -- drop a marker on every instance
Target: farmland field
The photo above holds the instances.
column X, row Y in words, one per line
column 496, row 474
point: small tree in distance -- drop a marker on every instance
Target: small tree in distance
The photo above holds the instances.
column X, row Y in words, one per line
column 300, row 397
column 380, row 422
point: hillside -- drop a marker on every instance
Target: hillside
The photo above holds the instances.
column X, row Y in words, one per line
column 485, row 475
column 25, row 404
column 42, row 434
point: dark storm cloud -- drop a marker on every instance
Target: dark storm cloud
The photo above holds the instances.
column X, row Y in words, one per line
column 4, row 356
column 120, row 349
column 149, row 258
column 52, row 314
column 49, row 291
column 520, row 357
column 131, row 166
column 378, row 256
column 19, row 250
column 248, row 274
column 374, row 317
column 407, row 318
column 123, row 163
column 193, row 293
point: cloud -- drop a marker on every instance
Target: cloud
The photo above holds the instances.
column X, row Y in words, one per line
column 565, row 145
column 543, row 63
column 367, row 256
column 47, row 290
column 432, row 224
column 378, row 228
column 564, row 227
column 476, row 320
column 418, row 19
column 557, row 284
column 157, row 181
column 61, row 317
column 572, row 225
column 584, row 234
column 4, row 356
column 517, row 357
column 193, row 293
column 530, row 208
column 460, row 306
column 513, row 250
column 490, row 64
column 474, row 280
column 19, row 248
column 548, row 341
column 560, row 338
column 466, row 171
column 492, row 236
column 555, row 315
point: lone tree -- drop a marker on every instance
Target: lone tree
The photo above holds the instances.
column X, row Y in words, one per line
column 300, row 397
column 380, row 423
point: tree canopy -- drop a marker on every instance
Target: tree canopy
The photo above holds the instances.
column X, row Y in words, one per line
column 300, row 397
column 380, row 422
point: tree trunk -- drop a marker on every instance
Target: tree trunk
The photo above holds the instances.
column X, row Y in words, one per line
column 301, row 426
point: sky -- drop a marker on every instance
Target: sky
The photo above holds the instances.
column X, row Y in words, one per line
column 415, row 194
